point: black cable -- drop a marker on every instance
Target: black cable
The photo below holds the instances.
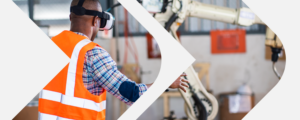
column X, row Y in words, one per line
column 164, row 7
column 112, row 7
column 202, row 113
column 171, row 21
column 180, row 6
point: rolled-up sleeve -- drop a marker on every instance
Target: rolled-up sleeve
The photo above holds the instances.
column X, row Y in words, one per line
column 106, row 74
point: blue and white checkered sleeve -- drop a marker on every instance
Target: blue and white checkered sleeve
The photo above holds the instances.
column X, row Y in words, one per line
column 106, row 74
column 143, row 88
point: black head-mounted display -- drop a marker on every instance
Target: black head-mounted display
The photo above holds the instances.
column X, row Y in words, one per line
column 107, row 19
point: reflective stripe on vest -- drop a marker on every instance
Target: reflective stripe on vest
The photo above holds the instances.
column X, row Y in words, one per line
column 69, row 98
column 72, row 67
column 43, row 116
column 73, row 101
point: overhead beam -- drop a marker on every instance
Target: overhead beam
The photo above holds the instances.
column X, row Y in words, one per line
column 30, row 9
column 52, row 22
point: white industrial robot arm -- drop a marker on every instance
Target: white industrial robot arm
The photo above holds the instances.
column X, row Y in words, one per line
column 241, row 16
column 189, row 8
column 175, row 15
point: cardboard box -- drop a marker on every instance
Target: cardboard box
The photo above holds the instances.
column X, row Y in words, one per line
column 224, row 109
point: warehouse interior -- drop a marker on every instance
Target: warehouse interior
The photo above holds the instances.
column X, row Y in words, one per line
column 138, row 56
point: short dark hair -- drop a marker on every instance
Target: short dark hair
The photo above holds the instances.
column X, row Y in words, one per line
column 75, row 2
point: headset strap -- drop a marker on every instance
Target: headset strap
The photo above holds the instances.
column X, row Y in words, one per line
column 79, row 10
column 80, row 3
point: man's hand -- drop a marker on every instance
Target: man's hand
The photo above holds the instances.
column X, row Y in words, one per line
column 180, row 83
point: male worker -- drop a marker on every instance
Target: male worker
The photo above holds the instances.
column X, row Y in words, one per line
column 79, row 90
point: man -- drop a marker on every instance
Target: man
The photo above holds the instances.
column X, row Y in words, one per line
column 79, row 90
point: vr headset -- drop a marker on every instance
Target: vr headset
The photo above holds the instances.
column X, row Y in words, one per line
column 107, row 19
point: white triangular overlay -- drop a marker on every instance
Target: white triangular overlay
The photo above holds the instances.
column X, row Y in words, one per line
column 283, row 101
column 175, row 59
column 29, row 59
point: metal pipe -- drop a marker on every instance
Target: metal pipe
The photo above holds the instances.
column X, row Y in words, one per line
column 213, row 12
column 239, row 16
column 275, row 71
column 116, row 12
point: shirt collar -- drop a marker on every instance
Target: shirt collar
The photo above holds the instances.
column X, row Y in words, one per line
column 79, row 33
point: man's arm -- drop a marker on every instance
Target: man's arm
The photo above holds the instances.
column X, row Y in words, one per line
column 178, row 83
column 107, row 76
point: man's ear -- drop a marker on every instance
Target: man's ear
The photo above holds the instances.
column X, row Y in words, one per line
column 95, row 21
column 70, row 17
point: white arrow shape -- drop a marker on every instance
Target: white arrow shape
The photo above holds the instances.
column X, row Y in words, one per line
column 29, row 60
column 283, row 101
column 175, row 59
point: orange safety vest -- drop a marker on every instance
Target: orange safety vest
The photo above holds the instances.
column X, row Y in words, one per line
column 65, row 97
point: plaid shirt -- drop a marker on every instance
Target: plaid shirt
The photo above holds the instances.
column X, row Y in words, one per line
column 100, row 72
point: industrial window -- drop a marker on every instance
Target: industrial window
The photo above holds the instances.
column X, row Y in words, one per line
column 54, row 15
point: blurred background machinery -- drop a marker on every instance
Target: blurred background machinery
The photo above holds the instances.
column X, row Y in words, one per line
column 130, row 47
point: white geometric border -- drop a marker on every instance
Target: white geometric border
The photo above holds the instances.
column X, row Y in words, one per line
column 29, row 60
column 175, row 59
column 283, row 101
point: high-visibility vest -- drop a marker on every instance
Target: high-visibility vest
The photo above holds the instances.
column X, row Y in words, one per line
column 65, row 97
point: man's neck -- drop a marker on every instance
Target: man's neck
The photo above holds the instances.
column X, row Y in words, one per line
column 84, row 34
column 82, row 30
